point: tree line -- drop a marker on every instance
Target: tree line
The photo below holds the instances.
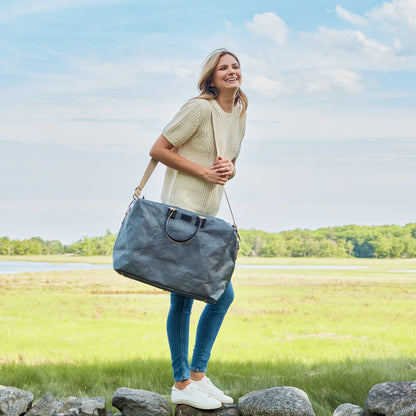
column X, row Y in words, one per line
column 86, row 246
column 387, row 241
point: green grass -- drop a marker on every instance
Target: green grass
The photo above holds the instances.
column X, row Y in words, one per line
column 332, row 333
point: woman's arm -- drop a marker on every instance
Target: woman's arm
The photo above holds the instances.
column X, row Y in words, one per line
column 163, row 151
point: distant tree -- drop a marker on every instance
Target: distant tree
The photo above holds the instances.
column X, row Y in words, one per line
column 6, row 246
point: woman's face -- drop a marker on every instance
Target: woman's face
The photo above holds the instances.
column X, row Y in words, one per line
column 227, row 75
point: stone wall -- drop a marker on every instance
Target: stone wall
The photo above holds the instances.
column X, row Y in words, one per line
column 385, row 399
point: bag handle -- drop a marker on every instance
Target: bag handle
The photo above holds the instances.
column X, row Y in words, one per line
column 199, row 223
column 152, row 166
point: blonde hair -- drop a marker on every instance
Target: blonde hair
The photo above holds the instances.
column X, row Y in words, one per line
column 207, row 91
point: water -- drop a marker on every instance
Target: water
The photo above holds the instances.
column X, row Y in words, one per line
column 7, row 267
column 293, row 266
column 34, row 266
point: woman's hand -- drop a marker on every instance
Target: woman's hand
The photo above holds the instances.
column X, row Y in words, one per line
column 220, row 171
column 212, row 176
column 223, row 166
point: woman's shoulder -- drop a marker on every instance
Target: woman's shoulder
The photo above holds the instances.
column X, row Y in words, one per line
column 199, row 106
column 199, row 103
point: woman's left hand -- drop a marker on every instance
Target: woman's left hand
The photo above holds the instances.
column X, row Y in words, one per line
column 224, row 166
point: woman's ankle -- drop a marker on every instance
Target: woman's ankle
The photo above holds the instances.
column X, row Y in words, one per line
column 180, row 385
column 197, row 375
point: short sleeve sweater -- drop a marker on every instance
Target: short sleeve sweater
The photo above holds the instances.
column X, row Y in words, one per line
column 191, row 133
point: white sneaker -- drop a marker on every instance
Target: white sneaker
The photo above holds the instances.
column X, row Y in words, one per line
column 194, row 397
column 205, row 385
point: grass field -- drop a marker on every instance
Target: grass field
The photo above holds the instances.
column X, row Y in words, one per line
column 332, row 333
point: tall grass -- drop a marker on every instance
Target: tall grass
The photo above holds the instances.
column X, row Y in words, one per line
column 332, row 333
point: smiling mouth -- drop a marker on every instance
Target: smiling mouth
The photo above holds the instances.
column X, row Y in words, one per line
column 232, row 79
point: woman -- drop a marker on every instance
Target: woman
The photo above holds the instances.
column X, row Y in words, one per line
column 195, row 174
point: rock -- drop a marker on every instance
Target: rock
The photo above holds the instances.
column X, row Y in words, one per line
column 276, row 401
column 74, row 406
column 348, row 409
column 392, row 399
column 13, row 401
column 44, row 406
column 226, row 410
column 132, row 402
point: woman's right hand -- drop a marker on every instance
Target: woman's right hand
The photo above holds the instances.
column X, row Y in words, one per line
column 163, row 151
column 212, row 175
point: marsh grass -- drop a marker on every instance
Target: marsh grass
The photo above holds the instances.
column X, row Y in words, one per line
column 332, row 333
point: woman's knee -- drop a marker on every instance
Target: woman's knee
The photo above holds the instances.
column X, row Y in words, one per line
column 228, row 297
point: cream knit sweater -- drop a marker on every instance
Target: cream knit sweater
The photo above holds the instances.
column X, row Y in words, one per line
column 191, row 133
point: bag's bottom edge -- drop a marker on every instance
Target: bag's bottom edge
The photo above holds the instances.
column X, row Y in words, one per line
column 166, row 288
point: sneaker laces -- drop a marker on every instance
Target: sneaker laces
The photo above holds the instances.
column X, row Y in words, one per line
column 196, row 390
column 210, row 384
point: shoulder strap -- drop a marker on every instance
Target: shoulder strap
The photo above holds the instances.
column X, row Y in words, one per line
column 215, row 130
column 147, row 173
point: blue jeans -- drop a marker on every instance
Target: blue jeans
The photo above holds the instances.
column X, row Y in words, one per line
column 208, row 326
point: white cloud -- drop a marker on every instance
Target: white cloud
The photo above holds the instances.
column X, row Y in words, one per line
column 270, row 26
column 334, row 80
column 339, row 42
column 268, row 87
column 395, row 14
column 315, row 83
column 353, row 18
column 399, row 18
column 126, row 72
column 137, row 76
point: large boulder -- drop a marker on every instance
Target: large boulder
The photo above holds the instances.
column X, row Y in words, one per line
column 392, row 399
column 133, row 402
column 74, row 406
column 44, row 406
column 276, row 401
column 14, row 402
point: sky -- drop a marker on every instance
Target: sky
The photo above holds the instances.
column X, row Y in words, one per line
column 88, row 85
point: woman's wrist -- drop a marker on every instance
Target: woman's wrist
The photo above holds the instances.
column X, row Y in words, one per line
column 204, row 173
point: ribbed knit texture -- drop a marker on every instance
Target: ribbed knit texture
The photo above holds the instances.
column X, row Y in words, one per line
column 191, row 133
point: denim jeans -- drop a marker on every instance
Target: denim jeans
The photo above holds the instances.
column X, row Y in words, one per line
column 208, row 326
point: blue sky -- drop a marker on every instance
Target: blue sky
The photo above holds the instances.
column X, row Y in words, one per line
column 87, row 86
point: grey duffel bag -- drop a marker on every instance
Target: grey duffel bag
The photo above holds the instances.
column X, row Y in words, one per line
column 174, row 249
